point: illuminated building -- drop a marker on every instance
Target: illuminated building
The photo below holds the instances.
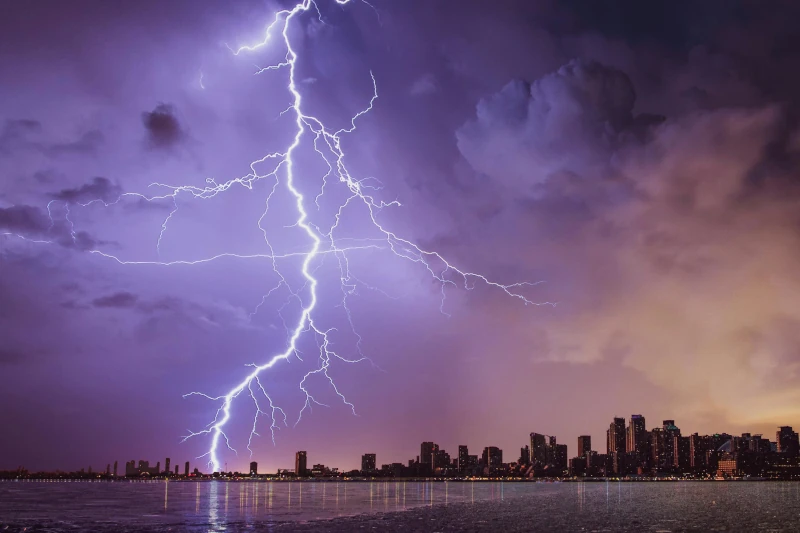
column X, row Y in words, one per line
column 638, row 441
column 253, row 468
column 698, row 448
column 368, row 462
column 426, row 451
column 300, row 463
column 525, row 455
column 615, row 436
column 463, row 457
column 682, row 453
column 787, row 441
column 492, row 456
column 538, row 449
column 584, row 445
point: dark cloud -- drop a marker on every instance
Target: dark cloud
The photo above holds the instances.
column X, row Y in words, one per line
column 23, row 219
column 162, row 126
column 120, row 300
column 86, row 144
column 26, row 134
column 98, row 189
column 32, row 223
column 567, row 122
column 15, row 134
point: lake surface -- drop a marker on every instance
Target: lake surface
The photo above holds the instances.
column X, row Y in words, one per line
column 266, row 506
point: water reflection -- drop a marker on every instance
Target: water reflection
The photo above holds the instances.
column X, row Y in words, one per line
column 214, row 521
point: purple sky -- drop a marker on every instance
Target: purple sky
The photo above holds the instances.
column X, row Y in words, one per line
column 642, row 162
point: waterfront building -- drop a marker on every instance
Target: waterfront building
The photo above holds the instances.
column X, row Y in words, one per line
column 300, row 463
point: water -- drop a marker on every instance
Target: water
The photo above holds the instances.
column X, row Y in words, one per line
column 216, row 504
column 239, row 506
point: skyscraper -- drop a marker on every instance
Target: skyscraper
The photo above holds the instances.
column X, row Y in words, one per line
column 538, row 448
column 300, row 463
column 166, row 465
column 186, row 469
column 368, row 461
column 525, row 455
column 426, row 450
column 463, row 457
column 176, row 470
column 253, row 468
column 787, row 441
column 698, row 448
column 615, row 436
column 492, row 456
column 584, row 445
column 638, row 441
column 670, row 432
column 115, row 469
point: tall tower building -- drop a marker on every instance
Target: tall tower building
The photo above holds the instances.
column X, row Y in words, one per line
column 787, row 441
column 186, row 469
column 426, row 451
column 638, row 440
column 670, row 431
column 300, row 463
column 584, row 445
column 616, row 436
column 538, row 448
column 166, row 465
column 463, row 457
column 368, row 462
column 115, row 469
column 253, row 468
column 525, row 455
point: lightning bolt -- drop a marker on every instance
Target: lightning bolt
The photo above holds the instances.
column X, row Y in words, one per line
column 321, row 243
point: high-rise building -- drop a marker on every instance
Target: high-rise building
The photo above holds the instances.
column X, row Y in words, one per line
column 492, row 456
column 698, row 451
column 638, row 441
column 670, row 432
column 253, row 468
column 300, row 463
column 108, row 469
column 186, row 469
column 682, row 453
column 787, row 441
column 176, row 470
column 559, row 456
column 615, row 436
column 368, row 462
column 525, row 455
column 584, row 445
column 426, row 450
column 463, row 457
column 166, row 465
column 441, row 459
column 115, row 469
column 158, row 467
column 538, row 449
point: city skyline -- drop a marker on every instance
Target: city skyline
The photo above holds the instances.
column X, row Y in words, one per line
column 538, row 448
column 160, row 242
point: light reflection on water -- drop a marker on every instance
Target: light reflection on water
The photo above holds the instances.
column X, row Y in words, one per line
column 215, row 505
